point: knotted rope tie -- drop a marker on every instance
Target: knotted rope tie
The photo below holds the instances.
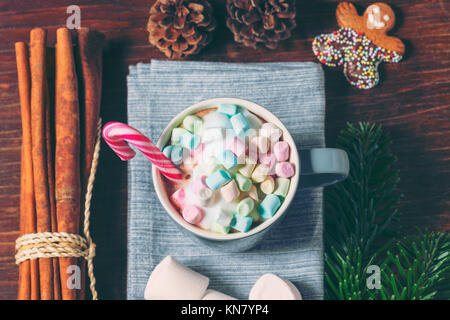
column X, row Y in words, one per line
column 62, row 244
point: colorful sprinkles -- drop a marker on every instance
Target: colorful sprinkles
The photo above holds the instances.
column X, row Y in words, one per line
column 357, row 53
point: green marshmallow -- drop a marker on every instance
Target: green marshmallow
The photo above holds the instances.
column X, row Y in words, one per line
column 177, row 133
column 217, row 228
column 282, row 187
column 245, row 206
column 243, row 182
column 193, row 123
column 255, row 216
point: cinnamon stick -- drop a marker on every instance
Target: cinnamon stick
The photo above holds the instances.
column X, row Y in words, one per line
column 39, row 151
column 89, row 63
column 49, row 117
column 89, row 55
column 27, row 210
column 67, row 152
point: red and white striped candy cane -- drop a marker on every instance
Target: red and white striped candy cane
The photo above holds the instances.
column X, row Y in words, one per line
column 117, row 135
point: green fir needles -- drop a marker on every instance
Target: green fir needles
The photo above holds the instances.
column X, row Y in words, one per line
column 359, row 233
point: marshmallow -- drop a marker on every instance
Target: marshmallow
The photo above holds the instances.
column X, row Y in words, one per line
column 170, row 280
column 243, row 182
column 176, row 155
column 240, row 124
column 167, row 151
column 179, row 198
column 193, row 124
column 241, row 223
column 259, row 144
column 224, row 218
column 216, row 120
column 216, row 295
column 268, row 185
column 197, row 152
column 245, row 206
column 217, row 179
column 271, row 131
column 272, row 287
column 253, row 193
column 217, row 228
column 230, row 191
column 190, row 141
column 205, row 196
column 260, row 173
column 210, row 169
column 247, row 169
column 255, row 216
column 236, row 146
column 269, row 206
column 228, row 109
column 210, row 165
column 282, row 186
column 192, row 214
column 234, row 170
column 228, row 159
column 269, row 160
column 177, row 133
column 281, row 151
column 284, row 169
column 254, row 120
column 213, row 134
column 252, row 157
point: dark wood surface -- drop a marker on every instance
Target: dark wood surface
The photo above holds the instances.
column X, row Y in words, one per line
column 412, row 103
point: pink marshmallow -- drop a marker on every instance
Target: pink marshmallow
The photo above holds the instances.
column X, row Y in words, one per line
column 197, row 152
column 281, row 151
column 230, row 191
column 284, row 169
column 236, row 146
column 269, row 160
column 198, row 184
column 192, row 214
column 179, row 198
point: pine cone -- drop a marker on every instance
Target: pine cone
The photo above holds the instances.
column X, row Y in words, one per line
column 257, row 23
column 180, row 28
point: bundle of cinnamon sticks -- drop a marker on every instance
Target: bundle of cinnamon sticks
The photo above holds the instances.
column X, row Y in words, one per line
column 60, row 93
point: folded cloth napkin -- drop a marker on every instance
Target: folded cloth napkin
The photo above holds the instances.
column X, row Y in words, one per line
column 294, row 92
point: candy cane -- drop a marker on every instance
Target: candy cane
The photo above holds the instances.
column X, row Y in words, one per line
column 117, row 135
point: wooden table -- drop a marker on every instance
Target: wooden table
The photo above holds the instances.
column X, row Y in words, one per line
column 412, row 103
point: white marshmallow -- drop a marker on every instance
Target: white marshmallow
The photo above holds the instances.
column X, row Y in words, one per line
column 170, row 280
column 205, row 196
column 224, row 219
column 272, row 287
column 259, row 144
column 216, row 120
column 216, row 295
column 254, row 120
column 213, row 134
column 270, row 131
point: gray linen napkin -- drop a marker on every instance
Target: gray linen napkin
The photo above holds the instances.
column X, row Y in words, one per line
column 294, row 92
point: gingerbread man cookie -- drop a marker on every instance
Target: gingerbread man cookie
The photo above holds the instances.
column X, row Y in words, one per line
column 361, row 43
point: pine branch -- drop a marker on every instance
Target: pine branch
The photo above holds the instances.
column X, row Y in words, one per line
column 418, row 268
column 359, row 210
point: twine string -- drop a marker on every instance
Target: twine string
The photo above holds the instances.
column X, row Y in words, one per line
column 62, row 244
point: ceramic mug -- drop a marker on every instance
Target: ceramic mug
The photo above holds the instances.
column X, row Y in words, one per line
column 314, row 168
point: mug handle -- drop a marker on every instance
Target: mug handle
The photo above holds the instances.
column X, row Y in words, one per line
column 321, row 167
